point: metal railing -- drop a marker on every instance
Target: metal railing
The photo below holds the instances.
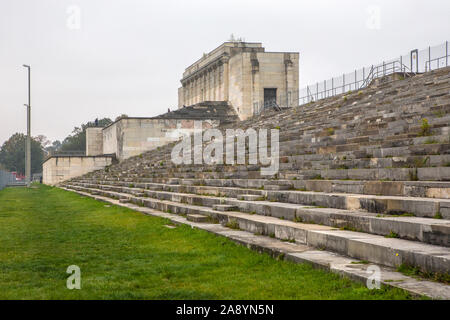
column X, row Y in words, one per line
column 258, row 107
column 422, row 61
column 416, row 61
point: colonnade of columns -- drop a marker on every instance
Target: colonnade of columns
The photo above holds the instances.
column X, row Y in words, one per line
column 209, row 84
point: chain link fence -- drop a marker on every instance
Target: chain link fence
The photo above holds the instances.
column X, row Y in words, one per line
column 6, row 178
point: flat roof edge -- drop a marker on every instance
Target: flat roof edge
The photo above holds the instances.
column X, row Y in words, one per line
column 75, row 156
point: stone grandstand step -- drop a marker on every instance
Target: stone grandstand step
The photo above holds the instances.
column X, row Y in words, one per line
column 435, row 231
column 199, row 218
column 418, row 173
column 277, row 187
column 298, row 253
column 373, row 248
column 250, row 197
column 329, row 161
column 394, row 205
column 424, row 189
column 437, row 142
column 225, row 207
column 383, row 174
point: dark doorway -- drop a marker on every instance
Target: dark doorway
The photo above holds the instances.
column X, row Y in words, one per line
column 270, row 97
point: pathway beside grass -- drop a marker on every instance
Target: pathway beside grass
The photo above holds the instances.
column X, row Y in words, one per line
column 126, row 255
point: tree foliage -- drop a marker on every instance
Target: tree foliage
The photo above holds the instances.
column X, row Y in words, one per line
column 122, row 116
column 76, row 141
column 12, row 154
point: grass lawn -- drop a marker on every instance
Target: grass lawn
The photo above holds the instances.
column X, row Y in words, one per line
column 126, row 255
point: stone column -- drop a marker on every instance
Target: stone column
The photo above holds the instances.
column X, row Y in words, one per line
column 256, row 90
column 220, row 77
column 192, row 91
column 204, row 87
column 209, row 85
column 197, row 94
column 225, row 80
column 214, row 83
column 287, row 72
column 189, row 94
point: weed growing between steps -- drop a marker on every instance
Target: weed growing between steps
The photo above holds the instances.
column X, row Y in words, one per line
column 124, row 254
column 416, row 272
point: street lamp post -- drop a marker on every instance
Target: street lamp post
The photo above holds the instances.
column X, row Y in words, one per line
column 28, row 149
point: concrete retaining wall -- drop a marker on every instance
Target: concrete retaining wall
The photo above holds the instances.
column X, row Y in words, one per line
column 130, row 137
column 60, row 168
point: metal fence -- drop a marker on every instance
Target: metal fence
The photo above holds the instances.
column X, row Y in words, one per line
column 6, row 178
column 417, row 61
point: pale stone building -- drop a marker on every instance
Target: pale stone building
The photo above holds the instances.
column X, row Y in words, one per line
column 128, row 137
column 231, row 83
column 245, row 76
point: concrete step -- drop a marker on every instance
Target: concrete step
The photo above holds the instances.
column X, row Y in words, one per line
column 250, row 197
column 391, row 174
column 417, row 206
column 225, row 207
column 277, row 187
column 434, row 231
column 373, row 248
column 423, row 189
column 197, row 218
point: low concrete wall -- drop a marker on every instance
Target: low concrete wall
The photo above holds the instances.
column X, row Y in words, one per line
column 60, row 168
column 130, row 137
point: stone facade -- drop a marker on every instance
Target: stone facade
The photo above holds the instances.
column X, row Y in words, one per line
column 130, row 137
column 244, row 75
column 60, row 168
column 94, row 141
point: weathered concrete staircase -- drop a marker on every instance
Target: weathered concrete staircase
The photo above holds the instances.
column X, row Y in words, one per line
column 364, row 176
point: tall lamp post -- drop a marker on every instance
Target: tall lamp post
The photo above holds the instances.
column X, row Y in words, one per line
column 28, row 150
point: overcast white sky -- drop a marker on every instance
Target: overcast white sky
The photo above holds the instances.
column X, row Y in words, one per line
column 127, row 56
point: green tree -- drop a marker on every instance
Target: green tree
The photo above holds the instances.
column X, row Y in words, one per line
column 77, row 140
column 53, row 147
column 12, row 154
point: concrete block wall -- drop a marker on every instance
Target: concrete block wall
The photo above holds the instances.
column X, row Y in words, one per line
column 130, row 137
column 94, row 141
column 61, row 168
